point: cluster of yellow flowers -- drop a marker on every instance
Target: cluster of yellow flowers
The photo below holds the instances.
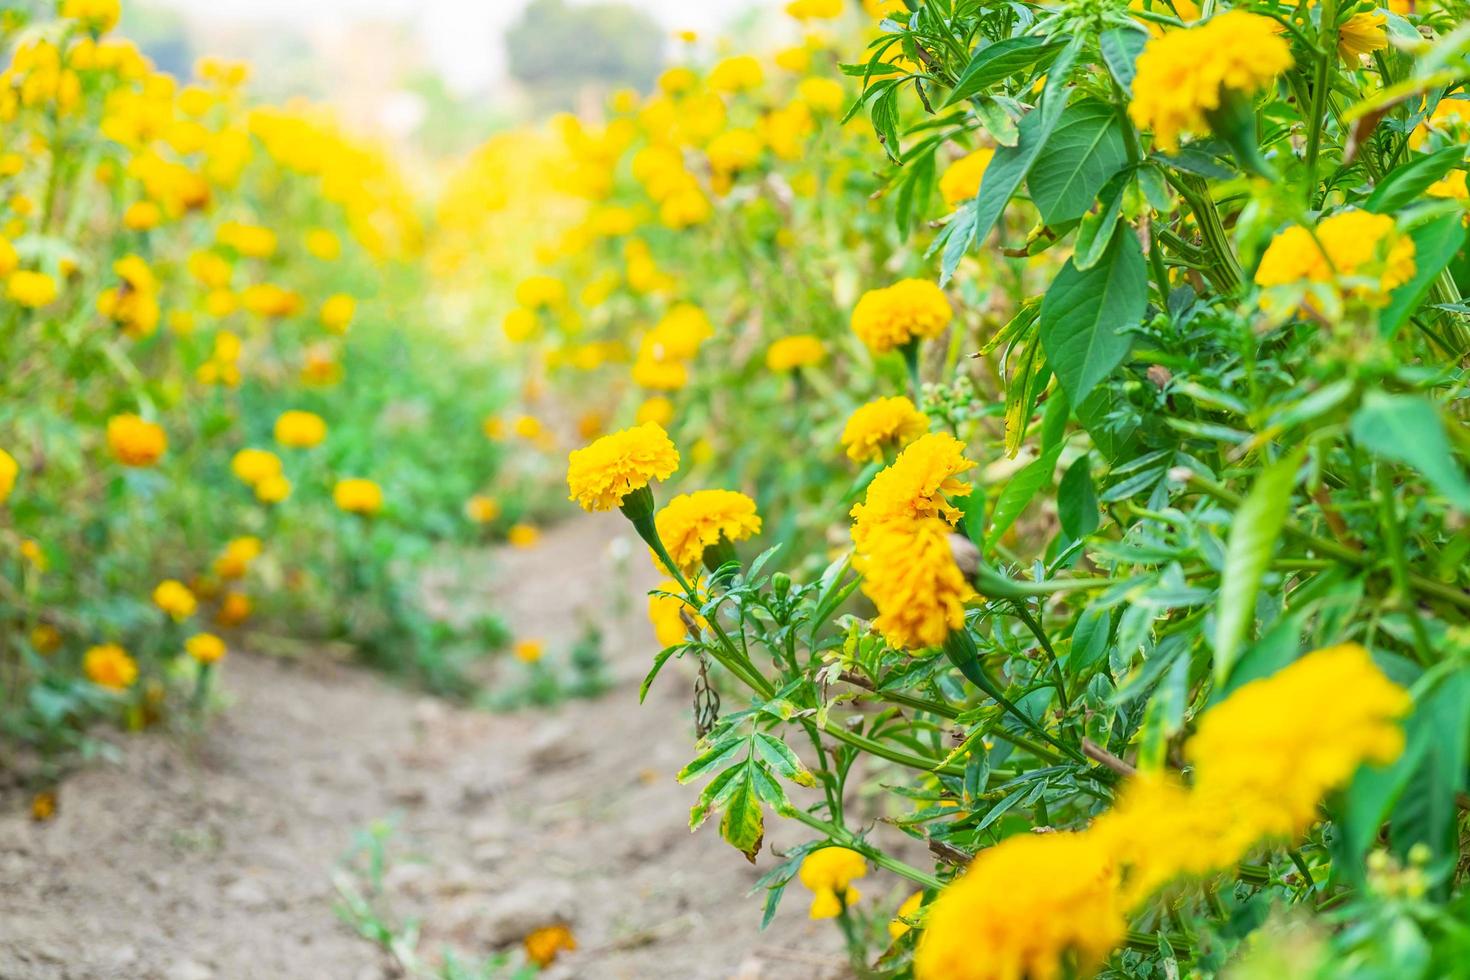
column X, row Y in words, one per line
column 1263, row 760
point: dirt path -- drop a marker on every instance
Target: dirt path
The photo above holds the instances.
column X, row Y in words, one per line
column 216, row 860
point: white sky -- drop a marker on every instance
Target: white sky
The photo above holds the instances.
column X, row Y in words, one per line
column 460, row 36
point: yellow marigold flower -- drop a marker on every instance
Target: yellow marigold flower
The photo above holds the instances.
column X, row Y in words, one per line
column 235, row 560
column 541, row 292
column 9, row 470
column 898, row 926
column 815, row 9
column 527, row 426
column 174, row 598
column 681, row 331
column 692, row 523
column 960, row 181
column 523, row 536
column 233, row 610
column 337, row 312
column 273, row 489
column 45, row 638
column 734, row 150
column 1185, row 76
column 252, row 241
column 915, row 484
column 519, row 325
column 666, row 613
column 211, row 269
column 733, row 75
column 99, row 15
column 250, row 466
column 1362, row 34
column 268, row 299
column 604, row 473
column 911, row 309
column 134, row 441
column 1272, row 749
column 32, row 290
column 657, row 410
column 323, row 244
column 821, row 95
column 9, row 258
column 1451, row 185
column 1364, row 253
column 882, row 425
column 300, row 430
column 30, row 550
column 828, row 873
column 792, row 353
column 482, row 509
column 676, row 80
column 1022, row 909
column 529, row 651
column 108, row 665
column 910, row 574
column 206, row 648
column 659, row 375
column 142, row 216
column 545, row 944
column 494, row 428
column 356, row 495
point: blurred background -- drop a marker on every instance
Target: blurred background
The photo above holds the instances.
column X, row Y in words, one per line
column 437, row 75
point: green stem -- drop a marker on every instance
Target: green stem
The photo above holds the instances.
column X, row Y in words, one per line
column 1398, row 568
column 1322, row 84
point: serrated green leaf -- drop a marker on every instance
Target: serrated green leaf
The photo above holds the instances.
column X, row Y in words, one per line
column 1085, row 150
column 1086, row 314
column 743, row 824
column 996, row 62
column 784, row 761
column 1407, row 429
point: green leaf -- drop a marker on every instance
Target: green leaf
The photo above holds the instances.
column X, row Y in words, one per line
column 1089, row 641
column 713, row 758
column 1085, row 150
column 1253, row 532
column 1407, row 429
column 1435, row 246
column 1010, row 165
column 1120, row 48
column 1018, row 492
column 1077, row 500
column 658, row 665
column 1096, row 230
column 997, row 62
column 743, row 825
column 1086, row 313
column 780, row 758
column 1426, row 811
column 1406, row 184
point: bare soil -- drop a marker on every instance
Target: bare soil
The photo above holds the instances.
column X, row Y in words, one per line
column 213, row 856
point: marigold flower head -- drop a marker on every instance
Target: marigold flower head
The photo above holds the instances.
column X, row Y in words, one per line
column 9, row 469
column 529, row 651
column 828, row 873
column 821, row 95
column 1362, row 253
column 666, row 612
column 691, row 523
column 898, row 926
column 300, row 430
column 206, row 648
column 815, row 9
column 250, row 466
column 108, row 665
column 1184, row 76
column 235, row 560
column 881, row 425
column 273, row 489
column 1272, row 749
column 915, row 485
column 791, row 353
column 134, row 441
column 960, row 181
column 323, row 244
column 911, row 309
column 739, row 73
column 543, row 945
column 1022, row 909
column 734, row 150
column 911, row 575
column 1362, row 34
column 337, row 312
column 523, row 535
column 233, row 610
column 482, row 509
column 174, row 598
column 657, row 409
column 602, row 474
column 32, row 290
column 541, row 292
column 356, row 495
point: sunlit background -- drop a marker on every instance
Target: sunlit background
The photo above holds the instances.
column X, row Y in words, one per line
column 440, row 73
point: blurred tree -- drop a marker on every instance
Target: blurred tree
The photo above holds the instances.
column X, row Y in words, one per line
column 560, row 52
